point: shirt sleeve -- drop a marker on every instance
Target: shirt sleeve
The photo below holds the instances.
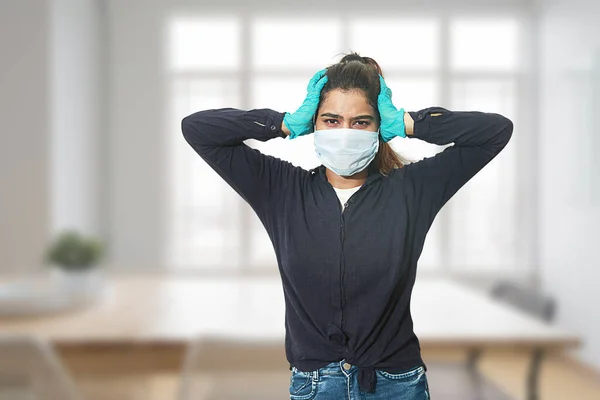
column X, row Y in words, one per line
column 478, row 137
column 218, row 135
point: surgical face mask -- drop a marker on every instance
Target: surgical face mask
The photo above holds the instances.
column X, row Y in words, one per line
column 346, row 151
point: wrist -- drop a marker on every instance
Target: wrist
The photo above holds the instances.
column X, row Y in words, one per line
column 409, row 124
column 285, row 129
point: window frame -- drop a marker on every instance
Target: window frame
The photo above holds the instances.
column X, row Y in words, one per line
column 444, row 76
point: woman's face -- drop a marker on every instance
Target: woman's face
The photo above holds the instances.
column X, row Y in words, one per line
column 342, row 109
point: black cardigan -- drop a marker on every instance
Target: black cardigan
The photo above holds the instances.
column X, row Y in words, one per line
column 347, row 277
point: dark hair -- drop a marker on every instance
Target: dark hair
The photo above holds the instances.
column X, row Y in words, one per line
column 354, row 72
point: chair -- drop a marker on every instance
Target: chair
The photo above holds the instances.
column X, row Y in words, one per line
column 460, row 381
column 218, row 368
column 30, row 370
column 537, row 305
column 528, row 301
column 464, row 381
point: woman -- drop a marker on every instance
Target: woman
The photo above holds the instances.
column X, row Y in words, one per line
column 348, row 234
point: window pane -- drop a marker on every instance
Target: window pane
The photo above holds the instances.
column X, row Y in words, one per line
column 392, row 43
column 262, row 254
column 483, row 214
column 204, row 43
column 295, row 42
column 284, row 94
column 488, row 44
column 412, row 149
column 431, row 257
column 281, row 94
column 204, row 212
column 413, row 94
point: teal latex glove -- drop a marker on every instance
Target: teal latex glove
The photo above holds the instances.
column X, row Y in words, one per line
column 301, row 122
column 392, row 119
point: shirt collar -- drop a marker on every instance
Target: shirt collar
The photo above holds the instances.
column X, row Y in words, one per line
column 321, row 170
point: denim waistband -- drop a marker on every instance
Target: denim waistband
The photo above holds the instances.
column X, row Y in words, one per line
column 366, row 375
column 337, row 367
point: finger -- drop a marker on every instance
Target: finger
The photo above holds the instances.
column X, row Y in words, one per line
column 383, row 88
column 382, row 85
column 319, row 85
column 316, row 77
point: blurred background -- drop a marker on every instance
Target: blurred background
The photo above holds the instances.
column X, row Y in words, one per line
column 92, row 93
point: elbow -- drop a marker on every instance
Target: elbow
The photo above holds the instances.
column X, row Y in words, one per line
column 187, row 127
column 503, row 128
column 197, row 133
column 507, row 130
column 191, row 129
column 193, row 134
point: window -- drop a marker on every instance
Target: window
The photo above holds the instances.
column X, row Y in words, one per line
column 262, row 62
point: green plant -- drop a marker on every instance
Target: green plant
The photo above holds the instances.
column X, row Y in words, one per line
column 73, row 251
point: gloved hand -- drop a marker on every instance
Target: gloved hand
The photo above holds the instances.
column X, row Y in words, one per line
column 392, row 119
column 301, row 122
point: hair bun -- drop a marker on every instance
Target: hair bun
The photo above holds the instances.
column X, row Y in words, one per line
column 352, row 57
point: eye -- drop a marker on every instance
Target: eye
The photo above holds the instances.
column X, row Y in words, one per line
column 330, row 121
column 363, row 124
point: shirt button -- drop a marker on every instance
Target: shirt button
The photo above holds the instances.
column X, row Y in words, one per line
column 347, row 366
column 273, row 127
column 420, row 116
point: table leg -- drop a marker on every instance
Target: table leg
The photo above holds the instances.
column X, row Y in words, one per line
column 533, row 377
column 473, row 357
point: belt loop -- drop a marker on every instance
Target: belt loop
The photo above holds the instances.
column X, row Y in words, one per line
column 316, row 375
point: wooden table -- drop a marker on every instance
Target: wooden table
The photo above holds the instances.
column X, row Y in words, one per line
column 171, row 310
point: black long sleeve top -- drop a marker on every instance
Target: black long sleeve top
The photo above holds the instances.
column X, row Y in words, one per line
column 347, row 276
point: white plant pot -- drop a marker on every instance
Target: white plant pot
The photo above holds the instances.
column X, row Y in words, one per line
column 81, row 285
column 59, row 292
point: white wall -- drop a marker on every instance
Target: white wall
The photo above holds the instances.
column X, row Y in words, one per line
column 136, row 109
column 570, row 165
column 51, row 104
column 24, row 128
column 77, row 110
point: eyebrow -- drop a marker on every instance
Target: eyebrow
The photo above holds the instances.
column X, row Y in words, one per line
column 366, row 116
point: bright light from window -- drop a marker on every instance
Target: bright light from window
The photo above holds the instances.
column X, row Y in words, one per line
column 204, row 43
column 484, row 44
column 397, row 43
column 413, row 94
column 295, row 42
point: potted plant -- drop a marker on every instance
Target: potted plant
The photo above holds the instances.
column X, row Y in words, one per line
column 76, row 258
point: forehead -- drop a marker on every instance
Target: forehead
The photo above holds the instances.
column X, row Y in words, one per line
column 346, row 104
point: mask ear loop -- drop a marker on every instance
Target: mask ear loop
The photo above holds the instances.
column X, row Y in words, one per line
column 314, row 121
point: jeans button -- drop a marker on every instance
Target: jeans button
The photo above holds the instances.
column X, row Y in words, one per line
column 347, row 366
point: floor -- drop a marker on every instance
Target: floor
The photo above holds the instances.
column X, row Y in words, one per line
column 111, row 374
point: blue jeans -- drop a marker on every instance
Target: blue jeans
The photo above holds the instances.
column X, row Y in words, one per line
column 333, row 382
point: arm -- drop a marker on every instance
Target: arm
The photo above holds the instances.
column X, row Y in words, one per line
column 218, row 137
column 409, row 124
column 285, row 129
column 478, row 137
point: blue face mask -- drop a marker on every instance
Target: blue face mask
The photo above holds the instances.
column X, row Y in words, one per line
column 346, row 151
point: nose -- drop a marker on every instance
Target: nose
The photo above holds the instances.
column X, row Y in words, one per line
column 345, row 124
